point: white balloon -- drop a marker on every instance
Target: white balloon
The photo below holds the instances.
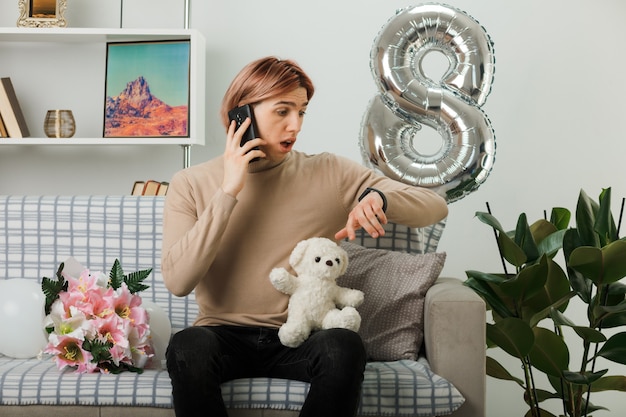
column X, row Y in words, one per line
column 22, row 334
column 160, row 329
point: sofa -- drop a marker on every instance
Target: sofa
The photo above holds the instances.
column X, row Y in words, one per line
column 445, row 375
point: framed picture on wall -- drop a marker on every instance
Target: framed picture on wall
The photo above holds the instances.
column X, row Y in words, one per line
column 42, row 13
column 147, row 89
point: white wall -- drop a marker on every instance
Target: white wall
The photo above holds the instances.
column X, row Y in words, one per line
column 556, row 107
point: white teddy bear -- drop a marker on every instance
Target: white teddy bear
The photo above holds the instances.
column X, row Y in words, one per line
column 316, row 301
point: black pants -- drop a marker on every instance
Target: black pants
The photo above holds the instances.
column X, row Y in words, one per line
column 200, row 359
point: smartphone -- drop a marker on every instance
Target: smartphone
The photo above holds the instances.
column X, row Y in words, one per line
column 239, row 115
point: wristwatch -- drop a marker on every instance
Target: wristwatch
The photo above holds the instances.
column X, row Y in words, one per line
column 380, row 193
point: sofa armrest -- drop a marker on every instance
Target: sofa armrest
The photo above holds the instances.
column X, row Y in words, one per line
column 454, row 338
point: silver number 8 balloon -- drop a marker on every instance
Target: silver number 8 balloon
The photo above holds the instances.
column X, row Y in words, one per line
column 409, row 99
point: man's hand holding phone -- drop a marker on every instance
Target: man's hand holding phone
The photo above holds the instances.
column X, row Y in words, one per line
column 237, row 155
column 239, row 115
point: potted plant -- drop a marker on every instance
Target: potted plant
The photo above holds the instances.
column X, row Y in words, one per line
column 528, row 305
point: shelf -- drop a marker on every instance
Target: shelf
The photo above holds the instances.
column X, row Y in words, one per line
column 86, row 35
column 76, row 57
column 94, row 141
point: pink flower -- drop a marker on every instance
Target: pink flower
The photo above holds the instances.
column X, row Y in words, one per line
column 69, row 352
column 141, row 321
column 114, row 330
column 123, row 301
column 87, row 296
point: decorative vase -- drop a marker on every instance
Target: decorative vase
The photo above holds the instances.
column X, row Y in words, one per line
column 59, row 124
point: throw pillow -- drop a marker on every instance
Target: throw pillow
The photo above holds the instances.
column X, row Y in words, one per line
column 395, row 284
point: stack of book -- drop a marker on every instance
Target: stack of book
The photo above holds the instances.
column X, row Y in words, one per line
column 150, row 187
column 12, row 122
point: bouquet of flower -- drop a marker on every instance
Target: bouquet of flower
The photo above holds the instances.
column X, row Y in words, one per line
column 95, row 323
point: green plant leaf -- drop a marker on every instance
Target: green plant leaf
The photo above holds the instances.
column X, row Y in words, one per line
column 542, row 413
column 541, row 229
column 490, row 220
column 556, row 382
column 558, row 304
column 495, row 370
column 525, row 239
column 134, row 280
column 560, row 217
column 617, row 289
column 580, row 284
column 509, row 250
column 586, row 210
column 586, row 333
column 116, row 275
column 543, row 395
column 602, row 266
column 606, row 313
column 52, row 288
column 610, row 383
column 588, row 261
column 604, row 225
column 512, row 335
column 551, row 244
column 614, row 261
column 99, row 350
column 589, row 409
column 613, row 320
column 613, row 298
column 556, row 287
column 580, row 406
column 479, row 282
column 486, row 277
column 583, row 378
column 528, row 282
column 111, row 368
column 615, row 348
column 549, row 353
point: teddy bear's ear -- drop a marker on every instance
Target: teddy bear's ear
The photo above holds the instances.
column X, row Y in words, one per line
column 344, row 261
column 298, row 252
